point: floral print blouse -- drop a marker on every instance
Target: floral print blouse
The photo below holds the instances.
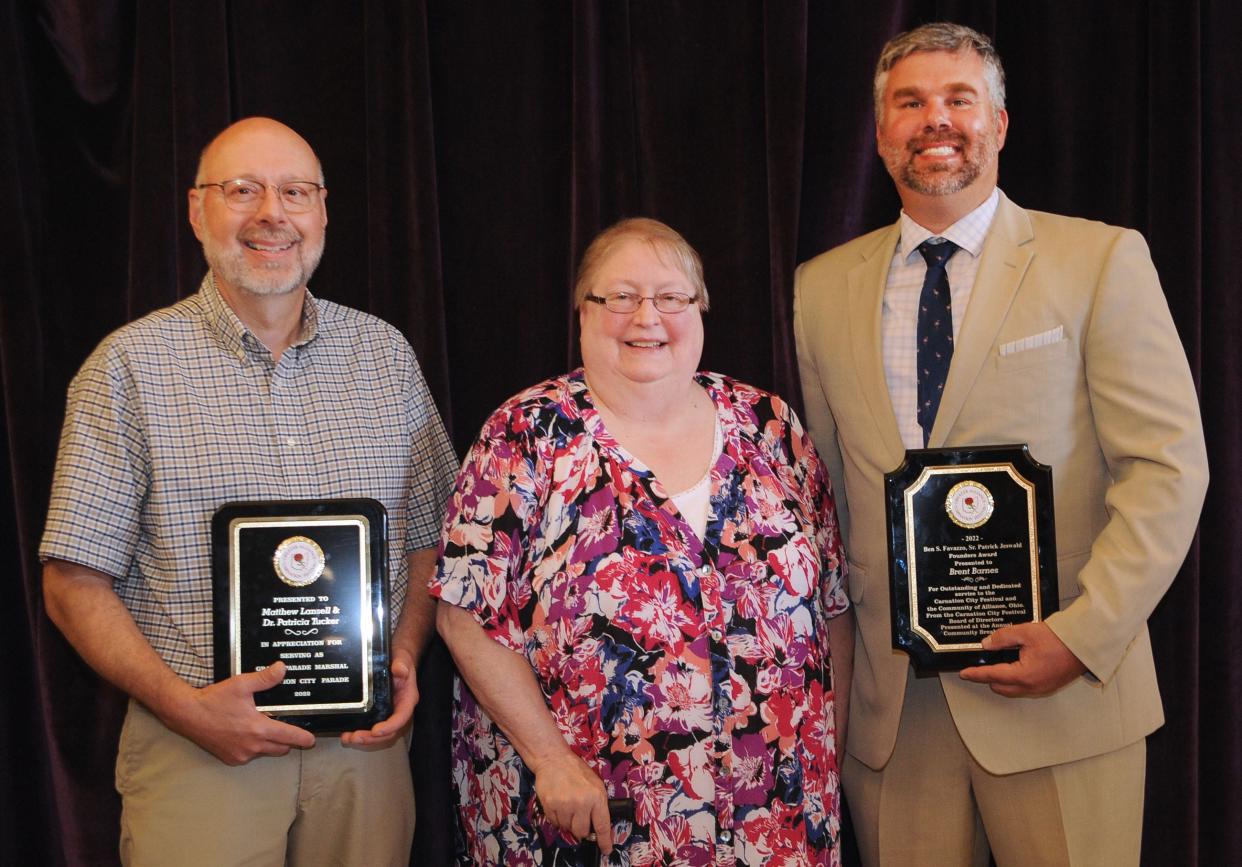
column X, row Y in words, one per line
column 692, row 675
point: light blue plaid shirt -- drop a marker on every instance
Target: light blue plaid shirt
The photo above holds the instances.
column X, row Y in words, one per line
column 184, row 410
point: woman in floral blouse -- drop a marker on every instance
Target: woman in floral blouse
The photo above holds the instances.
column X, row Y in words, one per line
column 646, row 598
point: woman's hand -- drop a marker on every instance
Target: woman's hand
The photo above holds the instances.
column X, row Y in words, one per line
column 573, row 798
column 571, row 794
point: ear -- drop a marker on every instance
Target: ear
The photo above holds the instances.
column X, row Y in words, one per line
column 323, row 205
column 195, row 201
column 1002, row 128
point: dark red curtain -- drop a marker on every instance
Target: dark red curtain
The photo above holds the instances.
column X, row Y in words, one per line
column 472, row 149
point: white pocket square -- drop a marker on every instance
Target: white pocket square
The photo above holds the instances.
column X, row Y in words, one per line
column 1043, row 338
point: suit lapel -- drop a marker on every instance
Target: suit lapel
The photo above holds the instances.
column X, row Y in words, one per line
column 1007, row 253
column 866, row 282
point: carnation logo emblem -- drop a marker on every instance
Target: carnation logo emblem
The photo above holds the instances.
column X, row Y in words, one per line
column 969, row 504
column 299, row 561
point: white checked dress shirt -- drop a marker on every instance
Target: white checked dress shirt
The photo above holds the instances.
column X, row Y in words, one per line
column 184, row 410
column 901, row 304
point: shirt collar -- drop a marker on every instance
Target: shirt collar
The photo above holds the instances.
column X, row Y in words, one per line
column 233, row 336
column 969, row 232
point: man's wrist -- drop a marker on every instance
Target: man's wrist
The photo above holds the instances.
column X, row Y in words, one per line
column 171, row 700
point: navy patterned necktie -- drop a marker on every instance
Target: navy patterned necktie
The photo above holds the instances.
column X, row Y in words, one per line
column 935, row 332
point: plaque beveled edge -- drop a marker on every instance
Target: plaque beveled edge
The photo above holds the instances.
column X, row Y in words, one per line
column 912, row 564
column 366, row 613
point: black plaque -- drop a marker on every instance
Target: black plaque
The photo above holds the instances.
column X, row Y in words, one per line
column 305, row 582
column 972, row 547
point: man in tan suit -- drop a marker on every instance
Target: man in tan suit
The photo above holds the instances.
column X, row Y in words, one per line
column 1062, row 339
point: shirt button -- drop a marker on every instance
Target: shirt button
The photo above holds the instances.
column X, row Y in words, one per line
column 725, row 836
column 291, row 441
column 717, row 635
column 705, row 570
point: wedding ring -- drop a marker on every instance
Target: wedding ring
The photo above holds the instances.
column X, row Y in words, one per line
column 590, row 838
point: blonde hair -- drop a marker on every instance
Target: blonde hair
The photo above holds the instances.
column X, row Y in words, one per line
column 667, row 243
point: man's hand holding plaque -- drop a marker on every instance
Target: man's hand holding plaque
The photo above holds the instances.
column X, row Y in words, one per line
column 972, row 554
column 222, row 719
column 406, row 649
column 1044, row 663
column 405, row 699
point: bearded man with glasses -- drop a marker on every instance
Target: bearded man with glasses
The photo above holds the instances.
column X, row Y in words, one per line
column 251, row 389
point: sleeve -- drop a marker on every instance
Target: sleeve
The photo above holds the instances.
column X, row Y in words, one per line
column 487, row 528
column 1146, row 417
column 102, row 471
column 432, row 461
column 812, row 477
column 820, row 423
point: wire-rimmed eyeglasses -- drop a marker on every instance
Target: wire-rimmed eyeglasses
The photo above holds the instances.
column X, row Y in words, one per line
column 246, row 195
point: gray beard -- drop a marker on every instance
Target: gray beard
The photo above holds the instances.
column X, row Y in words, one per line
column 268, row 280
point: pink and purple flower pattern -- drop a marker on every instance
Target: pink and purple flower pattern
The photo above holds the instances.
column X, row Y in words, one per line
column 693, row 675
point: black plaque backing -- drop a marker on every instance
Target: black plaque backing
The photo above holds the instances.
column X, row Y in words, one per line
column 972, row 547
column 326, row 618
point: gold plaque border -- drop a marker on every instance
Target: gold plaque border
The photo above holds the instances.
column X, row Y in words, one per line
column 364, row 575
column 1032, row 544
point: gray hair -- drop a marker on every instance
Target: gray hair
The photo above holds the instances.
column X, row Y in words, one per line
column 669, row 246
column 941, row 36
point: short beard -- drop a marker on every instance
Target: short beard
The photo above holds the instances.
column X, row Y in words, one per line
column 230, row 266
column 942, row 181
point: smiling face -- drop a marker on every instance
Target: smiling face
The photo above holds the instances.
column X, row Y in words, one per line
column 939, row 133
column 267, row 252
column 645, row 346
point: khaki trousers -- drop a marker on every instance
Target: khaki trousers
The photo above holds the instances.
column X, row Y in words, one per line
column 329, row 805
column 933, row 804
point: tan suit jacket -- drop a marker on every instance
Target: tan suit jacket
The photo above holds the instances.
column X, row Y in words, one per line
column 1111, row 408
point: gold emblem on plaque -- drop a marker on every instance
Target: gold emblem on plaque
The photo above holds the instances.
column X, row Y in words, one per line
column 969, row 504
column 299, row 561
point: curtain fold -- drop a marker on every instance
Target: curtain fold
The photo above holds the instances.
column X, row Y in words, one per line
column 1210, row 620
column 472, row 150
column 784, row 104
